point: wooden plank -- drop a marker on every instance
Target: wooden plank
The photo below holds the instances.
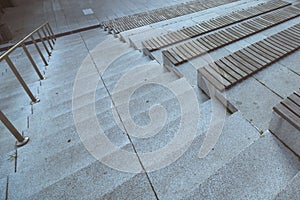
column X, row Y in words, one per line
column 222, row 72
column 179, row 53
column 246, row 67
column 258, row 25
column 204, row 27
column 192, row 49
column 157, row 42
column 262, row 21
column 249, row 27
column 228, row 70
column 223, row 38
column 258, row 58
column 246, row 30
column 170, row 57
column 187, row 52
column 208, row 43
column 211, row 79
column 205, row 44
column 218, row 76
column 234, row 33
column 177, row 57
column 292, row 36
column 149, row 45
column 229, row 36
column 207, row 26
column 287, row 115
column 176, row 36
column 198, row 30
column 161, row 41
column 285, row 42
column 295, row 98
column 216, row 23
column 278, row 44
column 220, row 41
column 270, row 46
column 266, row 50
column 248, row 59
column 168, row 39
column 214, row 40
column 233, row 67
column 203, row 30
column 292, row 107
column 239, row 30
column 198, row 46
column 260, row 52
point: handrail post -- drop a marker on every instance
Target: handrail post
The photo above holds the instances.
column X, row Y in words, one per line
column 47, row 38
column 19, row 77
column 50, row 34
column 32, row 62
column 21, row 141
column 43, row 42
column 39, row 50
column 50, row 29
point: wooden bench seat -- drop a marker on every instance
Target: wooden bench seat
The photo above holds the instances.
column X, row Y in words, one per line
column 285, row 123
column 141, row 19
column 228, row 71
column 214, row 24
column 227, row 36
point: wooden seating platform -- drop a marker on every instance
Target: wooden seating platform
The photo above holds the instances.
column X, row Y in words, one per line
column 211, row 25
column 285, row 123
column 194, row 48
column 141, row 19
column 226, row 72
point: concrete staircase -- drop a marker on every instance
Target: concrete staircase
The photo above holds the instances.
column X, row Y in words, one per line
column 91, row 76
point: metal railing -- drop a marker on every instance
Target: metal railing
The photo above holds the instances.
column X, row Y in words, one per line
column 49, row 37
column 21, row 140
column 44, row 35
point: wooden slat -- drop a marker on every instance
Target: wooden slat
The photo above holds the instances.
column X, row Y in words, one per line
column 228, row 70
column 248, row 59
column 266, row 50
column 292, row 106
column 246, row 67
column 175, row 55
column 218, row 76
column 279, row 44
column 259, row 51
column 223, row 73
column 256, row 56
column 295, row 98
column 234, row 67
column 287, row 115
column 170, row 57
column 270, row 46
column 211, row 79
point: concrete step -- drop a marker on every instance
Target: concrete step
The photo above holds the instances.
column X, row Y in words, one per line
column 252, row 174
column 59, row 117
column 100, row 176
column 189, row 171
column 59, row 166
column 291, row 191
column 3, row 182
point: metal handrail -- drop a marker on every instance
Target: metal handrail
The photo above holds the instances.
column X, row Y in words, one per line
column 49, row 36
column 21, row 140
